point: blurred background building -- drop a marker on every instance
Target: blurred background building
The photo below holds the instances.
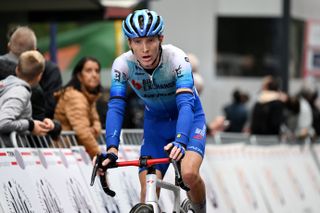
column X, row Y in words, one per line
column 237, row 42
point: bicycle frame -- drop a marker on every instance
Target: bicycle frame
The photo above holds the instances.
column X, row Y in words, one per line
column 151, row 195
column 151, row 180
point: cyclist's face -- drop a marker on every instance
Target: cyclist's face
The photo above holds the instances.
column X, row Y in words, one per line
column 146, row 50
column 90, row 75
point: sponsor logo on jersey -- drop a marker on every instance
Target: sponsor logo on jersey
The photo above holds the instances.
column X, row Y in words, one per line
column 136, row 84
column 117, row 75
column 148, row 85
column 124, row 76
column 195, row 149
column 178, row 71
column 158, row 95
column 199, row 133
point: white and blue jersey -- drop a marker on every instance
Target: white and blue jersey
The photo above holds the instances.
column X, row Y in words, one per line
column 169, row 116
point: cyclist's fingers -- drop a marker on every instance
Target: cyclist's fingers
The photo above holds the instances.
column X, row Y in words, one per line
column 105, row 162
column 179, row 156
column 173, row 152
column 168, row 146
column 176, row 153
column 100, row 172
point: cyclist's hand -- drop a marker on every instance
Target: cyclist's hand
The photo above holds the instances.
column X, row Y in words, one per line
column 177, row 150
column 109, row 157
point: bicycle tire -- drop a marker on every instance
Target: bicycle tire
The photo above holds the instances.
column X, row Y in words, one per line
column 142, row 208
column 186, row 206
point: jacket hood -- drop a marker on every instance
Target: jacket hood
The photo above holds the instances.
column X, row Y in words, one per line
column 10, row 82
column 268, row 96
column 70, row 91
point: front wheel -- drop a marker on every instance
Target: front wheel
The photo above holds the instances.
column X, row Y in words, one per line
column 142, row 208
column 186, row 206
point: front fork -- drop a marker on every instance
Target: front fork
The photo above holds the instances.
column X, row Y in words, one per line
column 151, row 190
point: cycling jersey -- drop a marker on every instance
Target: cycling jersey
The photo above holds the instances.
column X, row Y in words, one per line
column 158, row 91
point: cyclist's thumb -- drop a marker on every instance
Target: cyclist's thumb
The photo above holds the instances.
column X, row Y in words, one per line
column 168, row 146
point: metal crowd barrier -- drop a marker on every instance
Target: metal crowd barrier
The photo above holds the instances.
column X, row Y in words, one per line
column 230, row 137
column 226, row 138
column 264, row 140
column 237, row 170
column 127, row 137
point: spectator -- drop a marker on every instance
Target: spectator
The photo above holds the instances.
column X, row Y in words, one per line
column 197, row 78
column 236, row 112
column 268, row 111
column 218, row 124
column 299, row 118
column 15, row 96
column 22, row 39
column 76, row 107
column 307, row 118
column 102, row 106
column 7, row 68
column 310, row 92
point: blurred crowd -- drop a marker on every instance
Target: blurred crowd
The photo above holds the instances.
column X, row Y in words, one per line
column 32, row 98
column 294, row 118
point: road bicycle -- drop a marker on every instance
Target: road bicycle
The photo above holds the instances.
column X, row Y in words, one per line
column 151, row 204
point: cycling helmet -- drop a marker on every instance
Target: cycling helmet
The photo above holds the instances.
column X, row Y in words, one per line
column 142, row 23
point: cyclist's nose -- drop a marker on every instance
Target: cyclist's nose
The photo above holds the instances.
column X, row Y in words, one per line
column 145, row 47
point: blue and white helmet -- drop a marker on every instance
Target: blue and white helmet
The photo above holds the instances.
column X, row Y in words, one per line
column 143, row 23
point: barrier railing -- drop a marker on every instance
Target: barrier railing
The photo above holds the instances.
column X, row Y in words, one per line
column 240, row 175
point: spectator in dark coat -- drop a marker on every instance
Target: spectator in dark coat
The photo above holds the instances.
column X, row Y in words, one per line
column 236, row 112
column 268, row 111
column 7, row 68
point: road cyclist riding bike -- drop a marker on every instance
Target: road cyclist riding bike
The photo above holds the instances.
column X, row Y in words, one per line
column 161, row 75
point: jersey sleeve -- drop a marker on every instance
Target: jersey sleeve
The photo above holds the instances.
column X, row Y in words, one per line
column 185, row 98
column 183, row 71
column 119, row 73
column 117, row 102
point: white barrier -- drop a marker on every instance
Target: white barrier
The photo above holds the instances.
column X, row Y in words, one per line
column 239, row 178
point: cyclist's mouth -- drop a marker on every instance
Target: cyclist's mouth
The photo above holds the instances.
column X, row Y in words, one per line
column 146, row 58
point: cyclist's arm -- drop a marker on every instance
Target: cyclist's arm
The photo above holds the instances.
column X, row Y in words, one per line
column 116, row 105
column 185, row 101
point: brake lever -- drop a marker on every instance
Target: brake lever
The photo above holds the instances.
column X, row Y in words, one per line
column 177, row 171
column 178, row 177
column 95, row 169
column 98, row 164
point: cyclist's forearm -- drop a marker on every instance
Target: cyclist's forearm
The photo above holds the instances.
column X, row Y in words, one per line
column 116, row 109
column 185, row 103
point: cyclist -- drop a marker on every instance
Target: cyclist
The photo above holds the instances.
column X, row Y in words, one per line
column 161, row 76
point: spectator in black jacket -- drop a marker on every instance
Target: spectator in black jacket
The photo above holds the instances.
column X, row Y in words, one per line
column 268, row 111
column 236, row 112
